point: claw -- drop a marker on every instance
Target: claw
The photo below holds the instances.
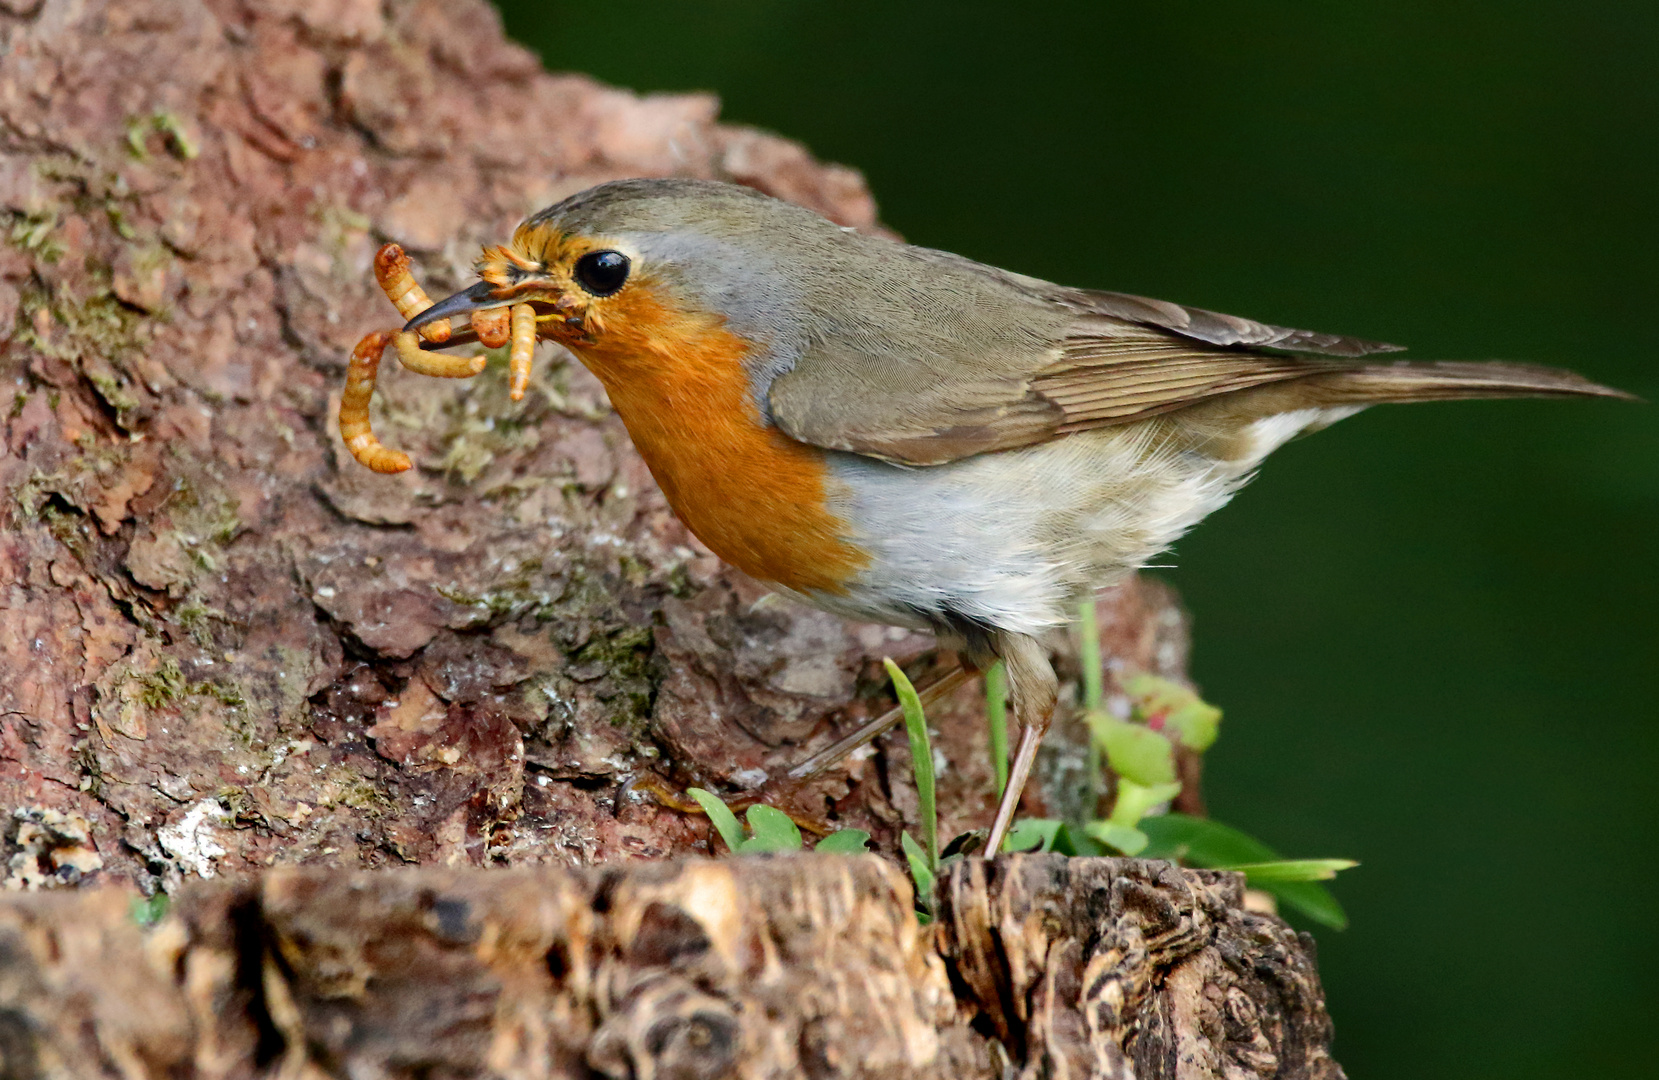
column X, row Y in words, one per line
column 674, row 799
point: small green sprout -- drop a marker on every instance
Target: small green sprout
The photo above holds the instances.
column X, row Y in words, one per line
column 922, row 857
column 770, row 829
column 996, row 716
column 844, row 842
column 149, row 910
column 1139, row 754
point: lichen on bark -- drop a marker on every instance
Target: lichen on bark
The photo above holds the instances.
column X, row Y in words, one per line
column 224, row 647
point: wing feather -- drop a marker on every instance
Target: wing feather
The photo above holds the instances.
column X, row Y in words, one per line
column 1056, row 361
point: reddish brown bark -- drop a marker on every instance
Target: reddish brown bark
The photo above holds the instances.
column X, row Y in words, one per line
column 223, row 645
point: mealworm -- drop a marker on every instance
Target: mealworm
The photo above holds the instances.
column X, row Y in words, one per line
column 491, row 327
column 439, row 365
column 354, row 407
column 391, row 269
column 524, row 349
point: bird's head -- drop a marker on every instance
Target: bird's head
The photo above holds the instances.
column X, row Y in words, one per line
column 626, row 269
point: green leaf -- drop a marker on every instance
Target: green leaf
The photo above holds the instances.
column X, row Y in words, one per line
column 996, row 717
column 1201, row 842
column 921, row 758
column 1032, row 834
column 1124, row 838
column 1134, row 800
column 1135, row 752
column 921, row 871
column 1157, row 701
column 844, row 842
column 725, row 822
column 1291, row 870
column 147, row 911
column 1069, row 841
column 772, row 829
column 1088, row 654
column 1311, row 899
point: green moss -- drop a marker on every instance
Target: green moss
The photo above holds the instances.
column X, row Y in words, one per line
column 162, row 686
column 350, row 788
column 169, row 127
column 525, row 592
column 196, row 618
column 35, row 232
column 32, row 493
column 626, row 657
column 70, row 529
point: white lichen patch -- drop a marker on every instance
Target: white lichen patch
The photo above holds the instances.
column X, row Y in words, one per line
column 54, row 848
column 190, row 840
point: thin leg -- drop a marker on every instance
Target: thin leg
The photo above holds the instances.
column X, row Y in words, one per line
column 1034, row 690
column 824, row 759
column 1030, row 740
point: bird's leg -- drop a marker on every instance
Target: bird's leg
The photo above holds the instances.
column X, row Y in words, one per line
column 823, row 760
column 1034, row 690
column 783, row 795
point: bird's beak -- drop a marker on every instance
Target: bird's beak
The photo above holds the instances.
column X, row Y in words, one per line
column 480, row 296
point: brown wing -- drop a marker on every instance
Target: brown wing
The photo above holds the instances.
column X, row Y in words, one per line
column 1116, row 366
column 1214, row 328
column 1092, row 359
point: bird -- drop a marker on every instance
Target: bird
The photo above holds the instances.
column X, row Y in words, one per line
column 906, row 436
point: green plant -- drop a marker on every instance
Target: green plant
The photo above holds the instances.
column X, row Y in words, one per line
column 1138, row 755
column 770, row 829
column 924, row 857
column 996, row 718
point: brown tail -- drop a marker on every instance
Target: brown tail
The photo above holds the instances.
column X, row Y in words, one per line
column 1406, row 381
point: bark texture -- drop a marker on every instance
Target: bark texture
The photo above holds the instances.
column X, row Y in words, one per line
column 776, row 967
column 225, row 644
column 224, row 647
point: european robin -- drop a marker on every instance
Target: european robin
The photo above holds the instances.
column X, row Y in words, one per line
column 906, row 436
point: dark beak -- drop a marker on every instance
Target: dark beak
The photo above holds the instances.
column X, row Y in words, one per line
column 481, row 295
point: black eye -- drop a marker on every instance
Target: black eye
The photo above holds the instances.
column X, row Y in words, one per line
column 602, row 272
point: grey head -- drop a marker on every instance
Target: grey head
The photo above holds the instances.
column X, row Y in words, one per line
column 792, row 282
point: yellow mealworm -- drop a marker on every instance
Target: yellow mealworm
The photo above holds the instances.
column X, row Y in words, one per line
column 438, row 365
column 354, row 407
column 491, row 327
column 524, row 348
column 391, row 269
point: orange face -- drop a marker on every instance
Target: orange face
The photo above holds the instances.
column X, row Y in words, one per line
column 676, row 376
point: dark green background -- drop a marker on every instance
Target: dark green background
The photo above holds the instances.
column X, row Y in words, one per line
column 1435, row 629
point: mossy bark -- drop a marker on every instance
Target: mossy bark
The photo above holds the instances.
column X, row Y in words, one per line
column 224, row 647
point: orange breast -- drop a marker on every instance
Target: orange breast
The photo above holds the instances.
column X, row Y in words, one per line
column 755, row 496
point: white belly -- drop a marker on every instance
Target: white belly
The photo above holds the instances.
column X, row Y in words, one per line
column 1013, row 539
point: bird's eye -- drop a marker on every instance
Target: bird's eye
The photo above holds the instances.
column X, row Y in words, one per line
column 602, row 272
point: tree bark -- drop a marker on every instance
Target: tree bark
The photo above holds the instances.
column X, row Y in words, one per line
column 225, row 648
column 814, row 966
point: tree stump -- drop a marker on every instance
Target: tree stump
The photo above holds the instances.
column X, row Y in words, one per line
column 227, row 652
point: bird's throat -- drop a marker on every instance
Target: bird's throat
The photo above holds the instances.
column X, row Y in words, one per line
column 755, row 496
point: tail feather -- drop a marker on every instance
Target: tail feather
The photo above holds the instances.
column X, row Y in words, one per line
column 1418, row 381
